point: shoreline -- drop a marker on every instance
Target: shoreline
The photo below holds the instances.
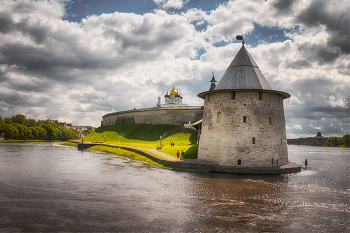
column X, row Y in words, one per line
column 27, row 140
column 200, row 166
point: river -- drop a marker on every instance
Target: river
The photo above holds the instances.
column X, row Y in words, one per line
column 45, row 187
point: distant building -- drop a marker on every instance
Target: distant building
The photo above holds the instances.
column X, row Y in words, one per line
column 65, row 125
column 317, row 140
column 172, row 99
column 80, row 129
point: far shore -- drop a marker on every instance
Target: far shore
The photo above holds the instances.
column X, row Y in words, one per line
column 28, row 140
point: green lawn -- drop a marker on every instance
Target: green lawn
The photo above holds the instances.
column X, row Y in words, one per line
column 147, row 136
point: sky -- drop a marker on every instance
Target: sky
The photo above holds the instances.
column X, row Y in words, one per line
column 77, row 60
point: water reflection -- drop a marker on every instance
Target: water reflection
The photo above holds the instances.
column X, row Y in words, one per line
column 237, row 203
column 46, row 187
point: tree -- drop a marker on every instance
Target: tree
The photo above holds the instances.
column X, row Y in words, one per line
column 31, row 123
column 67, row 134
column 23, row 131
column 42, row 132
column 346, row 140
column 52, row 132
column 8, row 121
column 1, row 122
column 9, row 131
column 20, row 119
column 35, row 132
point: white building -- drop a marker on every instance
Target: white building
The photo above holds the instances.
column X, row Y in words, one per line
column 174, row 99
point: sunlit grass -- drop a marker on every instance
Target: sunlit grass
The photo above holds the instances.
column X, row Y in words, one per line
column 68, row 143
column 147, row 136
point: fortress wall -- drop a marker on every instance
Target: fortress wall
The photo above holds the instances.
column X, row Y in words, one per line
column 226, row 138
column 154, row 116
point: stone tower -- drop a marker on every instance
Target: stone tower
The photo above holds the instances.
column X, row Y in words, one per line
column 243, row 120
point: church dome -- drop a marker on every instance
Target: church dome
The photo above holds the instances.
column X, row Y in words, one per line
column 173, row 91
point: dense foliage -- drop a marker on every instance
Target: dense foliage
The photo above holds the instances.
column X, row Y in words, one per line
column 18, row 127
column 338, row 141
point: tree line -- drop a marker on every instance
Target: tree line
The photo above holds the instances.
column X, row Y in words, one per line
column 338, row 141
column 19, row 127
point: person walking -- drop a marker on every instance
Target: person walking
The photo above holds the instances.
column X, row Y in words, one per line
column 178, row 154
column 182, row 155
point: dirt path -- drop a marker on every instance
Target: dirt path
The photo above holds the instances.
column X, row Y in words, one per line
column 157, row 152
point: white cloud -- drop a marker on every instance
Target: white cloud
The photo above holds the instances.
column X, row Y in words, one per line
column 166, row 4
column 315, row 127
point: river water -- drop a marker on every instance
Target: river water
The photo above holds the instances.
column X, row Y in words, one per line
column 45, row 187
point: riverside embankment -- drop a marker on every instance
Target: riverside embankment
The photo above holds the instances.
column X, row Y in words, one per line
column 195, row 165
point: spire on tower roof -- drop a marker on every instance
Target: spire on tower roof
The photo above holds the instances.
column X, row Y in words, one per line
column 213, row 81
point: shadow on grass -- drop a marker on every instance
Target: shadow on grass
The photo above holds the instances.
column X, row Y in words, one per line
column 137, row 131
column 192, row 152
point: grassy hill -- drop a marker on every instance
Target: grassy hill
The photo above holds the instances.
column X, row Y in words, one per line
column 147, row 136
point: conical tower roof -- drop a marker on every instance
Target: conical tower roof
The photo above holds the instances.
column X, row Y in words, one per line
column 243, row 73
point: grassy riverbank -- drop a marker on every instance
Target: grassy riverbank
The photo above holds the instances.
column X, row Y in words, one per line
column 126, row 153
column 148, row 136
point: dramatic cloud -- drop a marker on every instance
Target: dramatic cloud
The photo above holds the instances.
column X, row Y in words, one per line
column 53, row 68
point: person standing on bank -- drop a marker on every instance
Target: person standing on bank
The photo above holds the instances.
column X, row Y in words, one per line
column 306, row 163
column 178, row 154
column 182, row 155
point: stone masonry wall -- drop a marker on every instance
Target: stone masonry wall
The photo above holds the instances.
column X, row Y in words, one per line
column 226, row 138
column 156, row 116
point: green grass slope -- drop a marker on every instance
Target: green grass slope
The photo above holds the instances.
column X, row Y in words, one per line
column 147, row 136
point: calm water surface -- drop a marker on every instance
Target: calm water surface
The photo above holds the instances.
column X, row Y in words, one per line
column 45, row 187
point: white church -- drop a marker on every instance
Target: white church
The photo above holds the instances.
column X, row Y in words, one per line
column 174, row 99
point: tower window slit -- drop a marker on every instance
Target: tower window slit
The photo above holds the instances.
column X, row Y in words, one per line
column 233, row 95
column 270, row 120
column 253, row 140
column 244, row 119
column 239, row 162
column 218, row 119
column 260, row 95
